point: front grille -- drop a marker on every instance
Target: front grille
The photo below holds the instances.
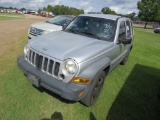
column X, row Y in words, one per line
column 56, row 70
column 44, row 63
column 35, row 31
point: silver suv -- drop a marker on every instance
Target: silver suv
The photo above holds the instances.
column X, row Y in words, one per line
column 74, row 62
column 51, row 25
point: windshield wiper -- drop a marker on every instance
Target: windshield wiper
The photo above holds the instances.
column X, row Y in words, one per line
column 72, row 30
column 47, row 22
column 90, row 34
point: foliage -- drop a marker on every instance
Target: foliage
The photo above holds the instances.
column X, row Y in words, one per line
column 44, row 9
column 10, row 8
column 23, row 9
column 131, row 15
column 149, row 10
column 49, row 8
column 1, row 7
column 107, row 10
column 39, row 10
column 62, row 10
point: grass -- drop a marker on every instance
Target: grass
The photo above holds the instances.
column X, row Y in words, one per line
column 129, row 92
column 11, row 16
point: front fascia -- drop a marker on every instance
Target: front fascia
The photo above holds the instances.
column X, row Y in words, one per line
column 61, row 72
column 68, row 90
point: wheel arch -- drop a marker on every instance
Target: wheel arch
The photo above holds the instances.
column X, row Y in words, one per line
column 94, row 69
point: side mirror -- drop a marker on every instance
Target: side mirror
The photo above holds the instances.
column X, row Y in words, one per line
column 126, row 40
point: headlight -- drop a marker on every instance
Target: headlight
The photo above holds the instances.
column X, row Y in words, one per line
column 71, row 66
column 26, row 49
column 46, row 32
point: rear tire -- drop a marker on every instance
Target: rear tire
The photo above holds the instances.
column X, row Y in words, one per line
column 95, row 90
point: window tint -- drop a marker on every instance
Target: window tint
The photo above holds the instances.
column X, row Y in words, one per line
column 128, row 28
column 122, row 30
column 132, row 29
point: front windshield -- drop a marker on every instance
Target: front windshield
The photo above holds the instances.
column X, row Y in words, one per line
column 99, row 28
column 60, row 20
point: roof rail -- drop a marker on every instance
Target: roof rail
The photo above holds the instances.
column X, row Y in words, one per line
column 124, row 16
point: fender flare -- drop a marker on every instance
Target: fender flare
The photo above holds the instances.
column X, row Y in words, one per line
column 95, row 68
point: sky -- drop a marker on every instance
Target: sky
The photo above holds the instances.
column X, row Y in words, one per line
column 119, row 6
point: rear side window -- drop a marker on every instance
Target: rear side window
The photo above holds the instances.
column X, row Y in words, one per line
column 132, row 29
column 122, row 30
column 129, row 29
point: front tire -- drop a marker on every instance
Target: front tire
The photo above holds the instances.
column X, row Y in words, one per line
column 95, row 90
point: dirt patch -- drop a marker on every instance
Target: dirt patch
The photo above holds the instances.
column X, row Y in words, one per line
column 14, row 30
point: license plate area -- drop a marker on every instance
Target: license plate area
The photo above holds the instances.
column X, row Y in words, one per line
column 33, row 79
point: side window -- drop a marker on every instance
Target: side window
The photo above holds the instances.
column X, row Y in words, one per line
column 122, row 30
column 128, row 28
column 132, row 29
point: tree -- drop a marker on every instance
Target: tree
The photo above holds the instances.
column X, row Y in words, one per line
column 149, row 11
column 10, row 8
column 44, row 9
column 23, row 9
column 39, row 10
column 49, row 8
column 62, row 10
column 131, row 15
column 65, row 10
column 107, row 10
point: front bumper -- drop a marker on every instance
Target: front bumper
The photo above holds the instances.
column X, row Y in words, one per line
column 68, row 90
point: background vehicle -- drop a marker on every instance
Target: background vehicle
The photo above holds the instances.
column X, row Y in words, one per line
column 52, row 24
column 157, row 30
column 73, row 63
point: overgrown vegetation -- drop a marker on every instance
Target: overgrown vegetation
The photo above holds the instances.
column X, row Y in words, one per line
column 129, row 92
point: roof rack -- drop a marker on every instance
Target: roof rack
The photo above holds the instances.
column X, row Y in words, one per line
column 124, row 16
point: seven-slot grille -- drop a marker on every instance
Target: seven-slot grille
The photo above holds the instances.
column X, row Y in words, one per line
column 35, row 31
column 43, row 63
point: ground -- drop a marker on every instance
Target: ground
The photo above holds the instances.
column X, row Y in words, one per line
column 14, row 30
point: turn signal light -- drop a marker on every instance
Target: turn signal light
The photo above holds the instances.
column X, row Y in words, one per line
column 80, row 94
column 81, row 80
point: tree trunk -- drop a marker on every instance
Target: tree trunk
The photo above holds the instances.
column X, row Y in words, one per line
column 146, row 24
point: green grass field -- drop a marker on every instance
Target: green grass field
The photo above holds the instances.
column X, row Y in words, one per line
column 129, row 92
column 11, row 16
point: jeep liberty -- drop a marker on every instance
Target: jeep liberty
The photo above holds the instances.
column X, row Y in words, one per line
column 74, row 62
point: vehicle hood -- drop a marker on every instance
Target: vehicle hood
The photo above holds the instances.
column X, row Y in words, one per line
column 63, row 45
column 46, row 26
